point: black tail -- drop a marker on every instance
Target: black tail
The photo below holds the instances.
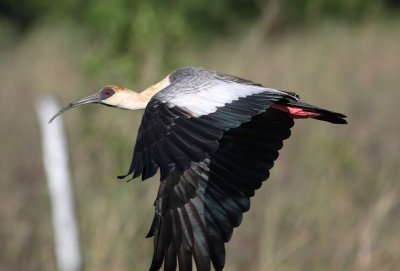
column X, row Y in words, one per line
column 331, row 117
column 323, row 114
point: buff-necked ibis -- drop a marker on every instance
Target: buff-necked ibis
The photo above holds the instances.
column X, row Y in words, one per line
column 213, row 137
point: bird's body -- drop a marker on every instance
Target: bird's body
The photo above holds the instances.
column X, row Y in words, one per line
column 214, row 137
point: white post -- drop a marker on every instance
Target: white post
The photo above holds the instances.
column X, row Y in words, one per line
column 55, row 157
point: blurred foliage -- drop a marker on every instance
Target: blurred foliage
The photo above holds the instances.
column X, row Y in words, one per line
column 333, row 201
column 126, row 31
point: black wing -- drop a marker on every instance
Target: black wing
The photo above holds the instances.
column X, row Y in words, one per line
column 197, row 209
column 214, row 147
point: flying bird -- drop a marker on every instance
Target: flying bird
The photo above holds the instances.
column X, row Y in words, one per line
column 214, row 138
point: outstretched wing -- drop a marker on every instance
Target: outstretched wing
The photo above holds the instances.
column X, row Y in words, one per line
column 197, row 208
column 214, row 141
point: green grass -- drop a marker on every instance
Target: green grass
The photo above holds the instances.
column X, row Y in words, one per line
column 332, row 200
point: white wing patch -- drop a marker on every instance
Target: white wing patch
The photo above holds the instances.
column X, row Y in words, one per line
column 207, row 101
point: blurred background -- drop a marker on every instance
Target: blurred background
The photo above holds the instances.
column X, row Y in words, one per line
column 333, row 199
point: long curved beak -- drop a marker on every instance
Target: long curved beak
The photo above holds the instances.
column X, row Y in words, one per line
column 92, row 99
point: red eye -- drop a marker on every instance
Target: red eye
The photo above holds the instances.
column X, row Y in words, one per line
column 108, row 92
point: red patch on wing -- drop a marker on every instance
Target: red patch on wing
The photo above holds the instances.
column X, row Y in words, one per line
column 296, row 112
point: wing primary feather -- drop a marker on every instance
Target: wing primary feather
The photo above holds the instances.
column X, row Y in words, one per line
column 185, row 251
column 171, row 254
column 200, row 244
column 152, row 227
column 158, row 253
column 213, row 235
column 170, row 259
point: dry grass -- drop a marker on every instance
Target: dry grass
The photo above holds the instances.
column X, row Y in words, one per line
column 331, row 203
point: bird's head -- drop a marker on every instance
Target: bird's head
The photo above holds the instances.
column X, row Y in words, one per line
column 120, row 97
column 110, row 95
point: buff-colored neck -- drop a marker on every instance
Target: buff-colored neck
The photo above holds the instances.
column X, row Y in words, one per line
column 128, row 99
column 152, row 90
